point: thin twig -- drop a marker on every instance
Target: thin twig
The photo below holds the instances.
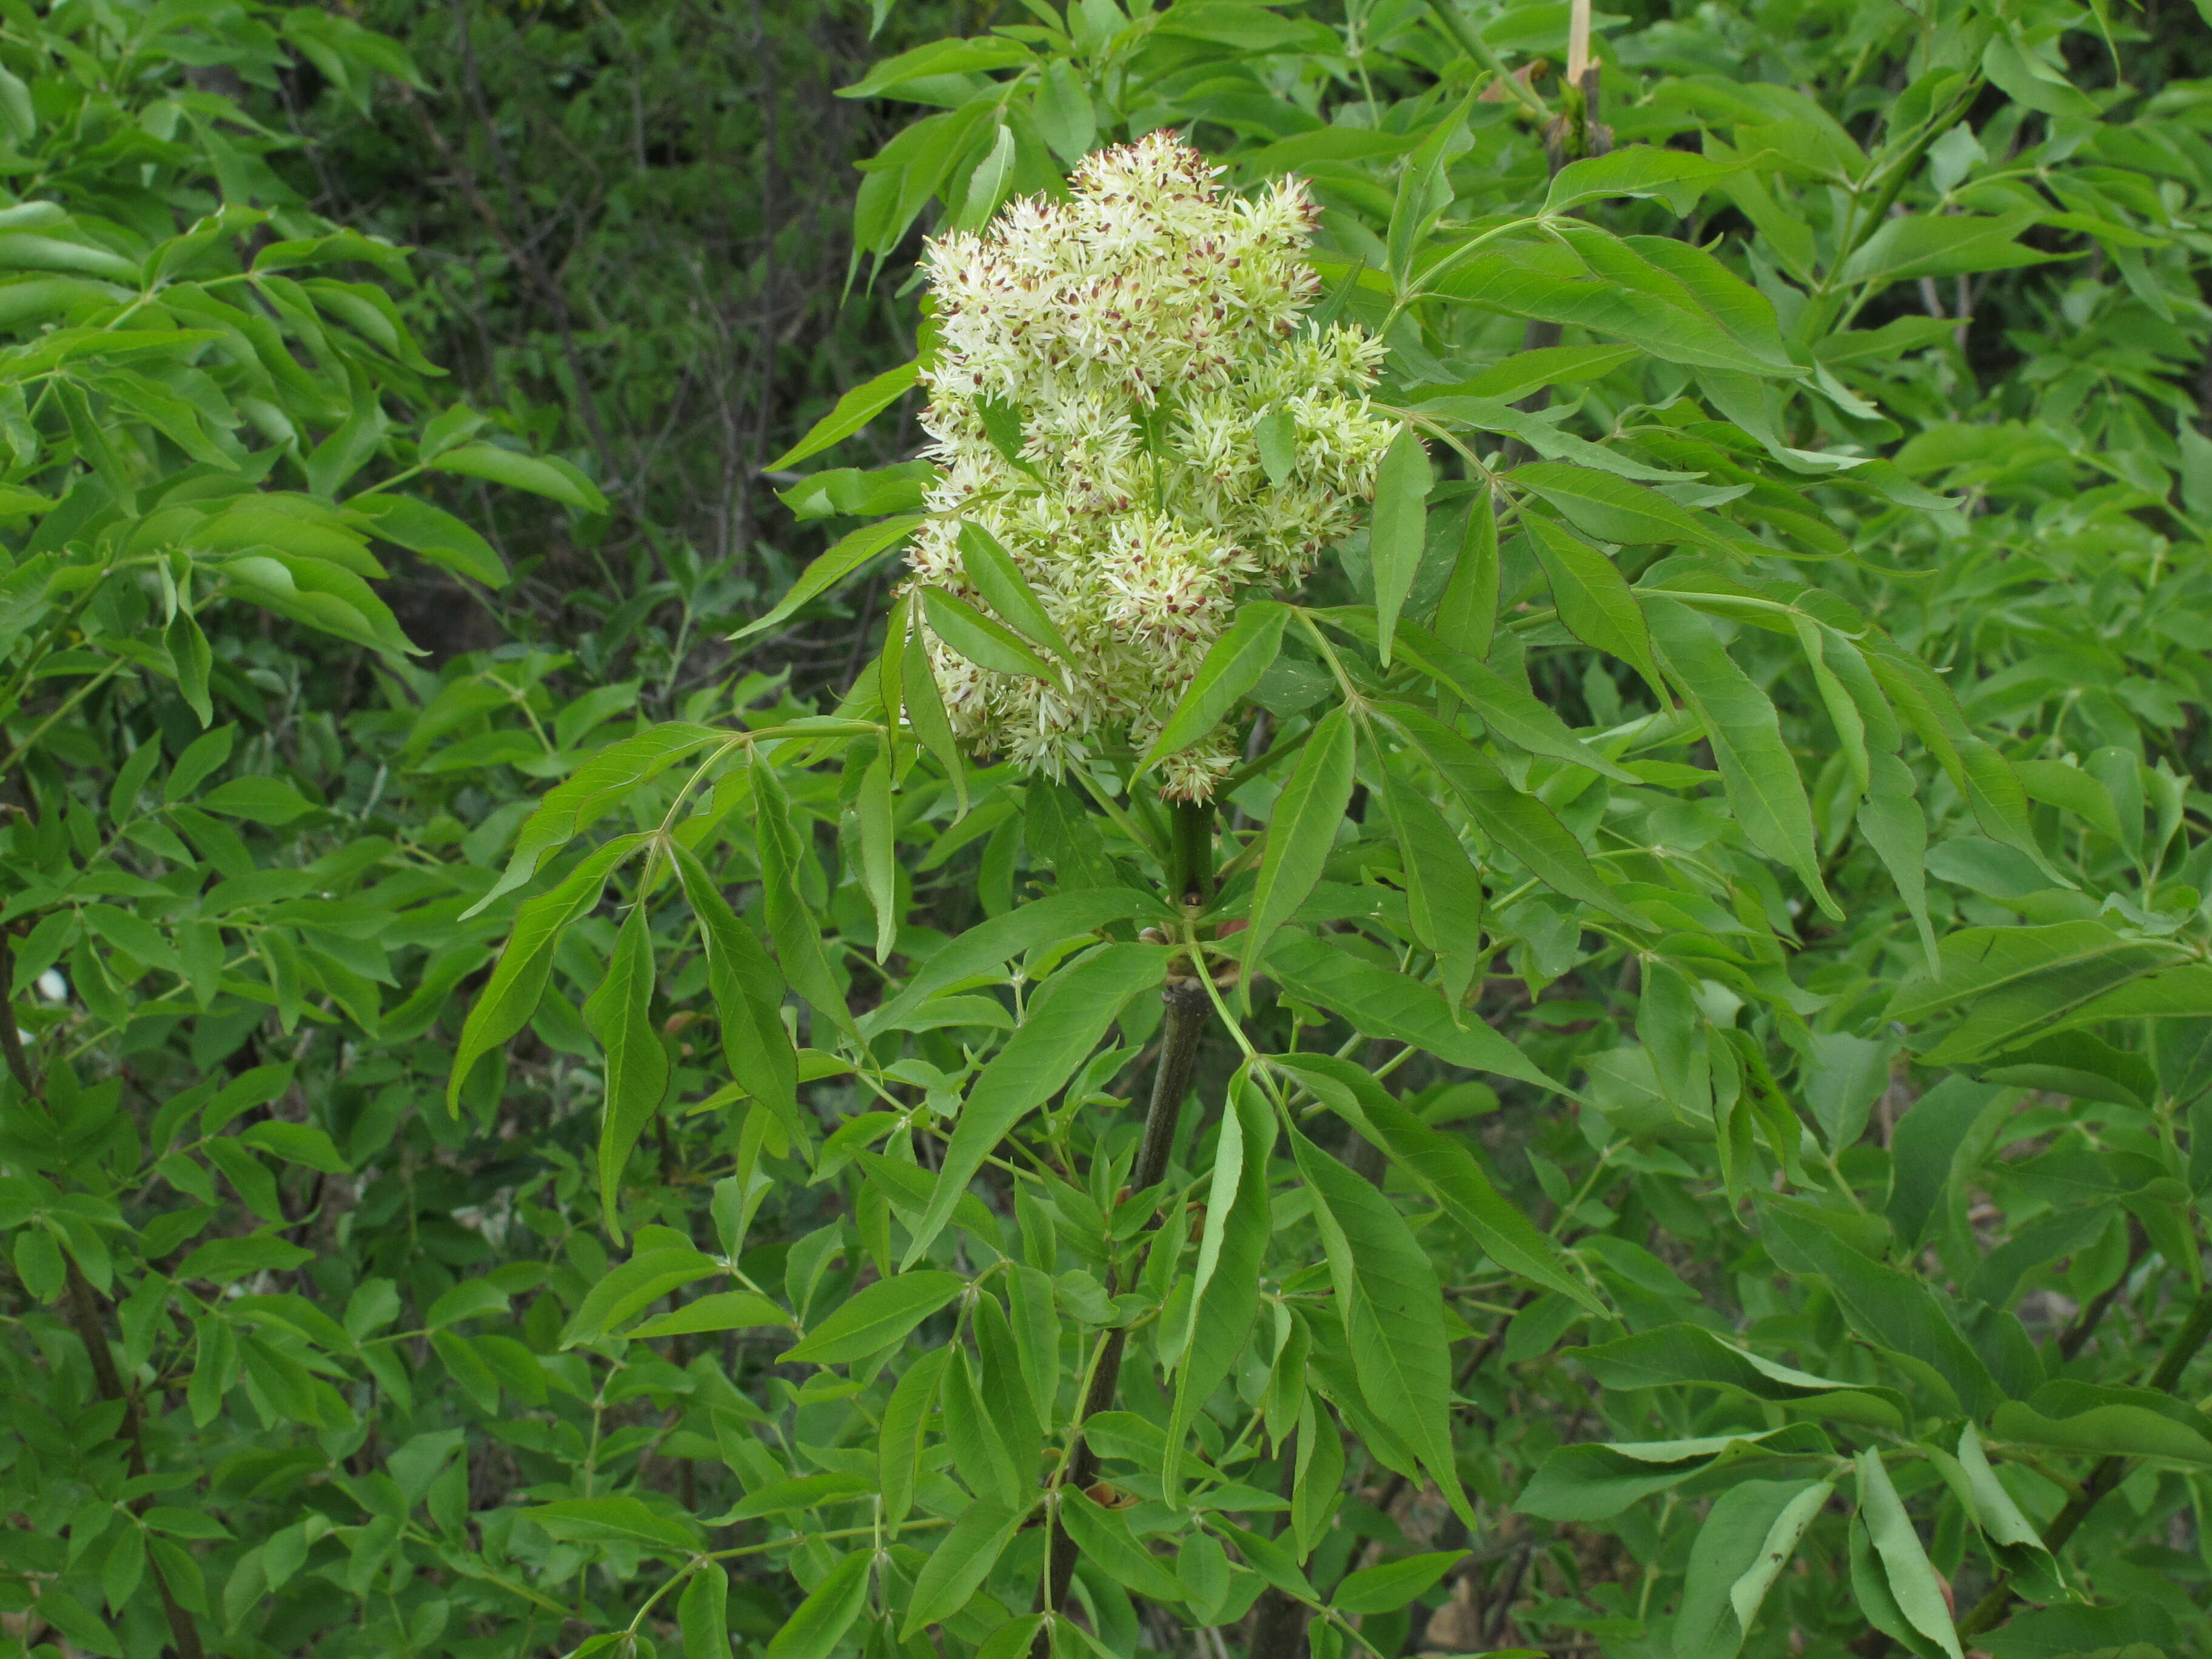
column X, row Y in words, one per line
column 2188, row 1338
column 2076, row 1335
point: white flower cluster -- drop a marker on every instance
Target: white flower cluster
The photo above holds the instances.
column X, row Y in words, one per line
column 1132, row 339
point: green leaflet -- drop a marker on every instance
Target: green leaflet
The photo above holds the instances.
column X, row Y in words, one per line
column 1841, row 1081
column 593, row 790
column 876, row 1317
column 1064, row 114
column 1059, row 831
column 703, row 1613
column 2001, row 802
column 994, row 575
column 1523, row 825
column 900, row 1445
column 431, row 531
column 1906, row 249
column 1783, row 1536
column 959, row 1564
column 1924, row 1148
column 1398, row 530
column 1672, row 1355
column 1887, row 1307
column 924, row 705
column 647, row 1276
column 1599, row 282
column 1036, row 1327
column 1387, row 1296
column 1066, row 1018
column 1320, row 1474
column 1508, row 710
column 1004, row 1390
column 1446, row 1170
column 985, row 946
column 1467, row 616
column 1231, row 667
column 541, row 475
column 1730, row 1547
column 1756, row 767
column 2009, row 1534
column 1843, row 708
column 791, row 921
column 1013, row 1638
column 1307, row 816
column 821, row 1619
column 2078, row 790
column 1444, row 896
column 1393, row 1584
column 853, row 411
column 1676, row 1039
column 1104, row 1536
column 620, row 1016
column 1540, row 433
column 985, row 643
column 1996, row 1277
column 2180, row 994
column 1595, row 601
column 1890, row 819
column 1701, row 292
column 1925, row 703
column 2012, row 980
column 724, row 1311
column 2131, row 1423
column 1635, row 170
column 748, row 994
column 1387, row 1004
column 193, row 658
column 978, row 1451
column 1913, row 1582
column 1594, row 1482
column 849, row 555
column 1226, row 1280
column 1423, row 192
column 1615, row 509
column 872, row 807
column 616, row 1520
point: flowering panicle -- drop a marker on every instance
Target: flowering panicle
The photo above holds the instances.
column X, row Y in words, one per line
column 1134, row 338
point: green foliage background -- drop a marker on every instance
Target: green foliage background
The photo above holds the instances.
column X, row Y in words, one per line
column 487, row 1049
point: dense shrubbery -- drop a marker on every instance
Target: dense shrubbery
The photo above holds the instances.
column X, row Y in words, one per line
column 1689, row 1135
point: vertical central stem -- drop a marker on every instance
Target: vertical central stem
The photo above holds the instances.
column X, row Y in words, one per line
column 1190, row 869
column 1187, row 1009
column 1190, row 876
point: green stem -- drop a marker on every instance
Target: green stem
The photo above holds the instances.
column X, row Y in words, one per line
column 1484, row 53
column 8, row 764
column 1190, row 876
column 1190, row 1002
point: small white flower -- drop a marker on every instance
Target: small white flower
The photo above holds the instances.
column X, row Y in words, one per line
column 1140, row 331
